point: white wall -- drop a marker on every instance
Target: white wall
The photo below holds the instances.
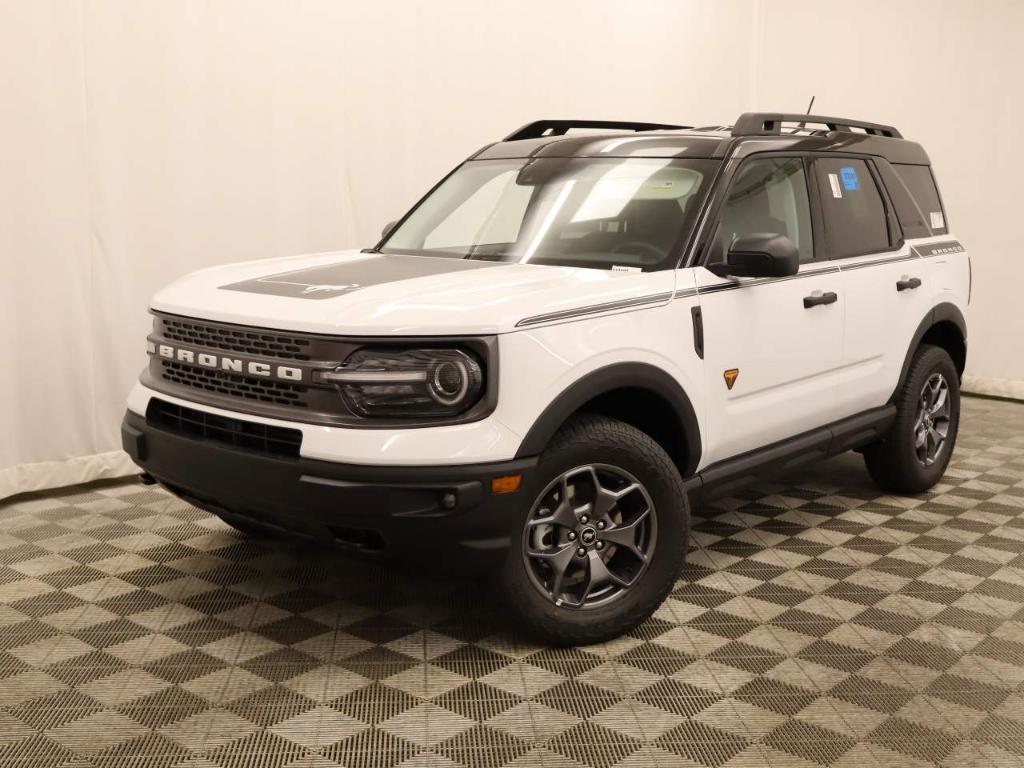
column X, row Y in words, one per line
column 142, row 140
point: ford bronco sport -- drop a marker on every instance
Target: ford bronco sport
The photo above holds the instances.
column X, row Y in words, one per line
column 567, row 342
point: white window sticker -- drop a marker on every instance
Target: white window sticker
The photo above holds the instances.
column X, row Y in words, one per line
column 623, row 268
column 833, row 181
column 938, row 222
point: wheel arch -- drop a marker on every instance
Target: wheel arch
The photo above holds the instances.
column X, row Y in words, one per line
column 944, row 326
column 639, row 394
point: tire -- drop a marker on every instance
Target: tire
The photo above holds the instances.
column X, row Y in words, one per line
column 895, row 462
column 616, row 456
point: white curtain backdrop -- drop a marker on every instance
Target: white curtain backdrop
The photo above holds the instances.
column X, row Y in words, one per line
column 140, row 140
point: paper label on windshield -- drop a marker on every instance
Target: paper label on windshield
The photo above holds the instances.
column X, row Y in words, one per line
column 659, row 185
column 622, row 268
column 833, row 181
column 938, row 222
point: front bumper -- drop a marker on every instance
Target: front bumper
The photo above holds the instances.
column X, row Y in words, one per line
column 391, row 511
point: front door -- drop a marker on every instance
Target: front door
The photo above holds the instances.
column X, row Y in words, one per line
column 772, row 346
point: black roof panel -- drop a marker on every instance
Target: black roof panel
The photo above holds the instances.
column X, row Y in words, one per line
column 646, row 144
column 706, row 143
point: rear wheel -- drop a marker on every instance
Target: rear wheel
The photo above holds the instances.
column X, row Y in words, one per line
column 914, row 455
column 604, row 538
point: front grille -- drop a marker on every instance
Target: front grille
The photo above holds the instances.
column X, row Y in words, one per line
column 236, row 433
column 230, row 382
column 248, row 341
column 234, row 384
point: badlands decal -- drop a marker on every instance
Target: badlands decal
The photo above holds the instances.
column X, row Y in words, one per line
column 943, row 248
column 330, row 280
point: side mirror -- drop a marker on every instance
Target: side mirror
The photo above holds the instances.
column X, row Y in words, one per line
column 764, row 254
column 388, row 228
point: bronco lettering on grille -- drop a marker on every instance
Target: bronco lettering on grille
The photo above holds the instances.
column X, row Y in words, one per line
column 225, row 363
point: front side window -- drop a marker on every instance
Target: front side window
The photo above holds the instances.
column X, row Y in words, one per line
column 602, row 213
column 768, row 196
column 852, row 207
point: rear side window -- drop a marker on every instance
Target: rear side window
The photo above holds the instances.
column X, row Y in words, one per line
column 921, row 183
column 852, row 208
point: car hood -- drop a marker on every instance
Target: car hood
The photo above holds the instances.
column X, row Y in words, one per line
column 350, row 292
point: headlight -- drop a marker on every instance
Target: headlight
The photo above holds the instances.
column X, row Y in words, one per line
column 408, row 383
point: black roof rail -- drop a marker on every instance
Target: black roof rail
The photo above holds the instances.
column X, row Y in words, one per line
column 540, row 128
column 770, row 124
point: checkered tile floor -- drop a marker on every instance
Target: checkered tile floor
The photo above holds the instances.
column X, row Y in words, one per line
column 818, row 622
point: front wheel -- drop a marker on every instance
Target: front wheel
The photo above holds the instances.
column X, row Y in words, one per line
column 604, row 538
column 914, row 455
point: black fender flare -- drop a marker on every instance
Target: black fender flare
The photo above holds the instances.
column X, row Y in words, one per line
column 944, row 312
column 608, row 379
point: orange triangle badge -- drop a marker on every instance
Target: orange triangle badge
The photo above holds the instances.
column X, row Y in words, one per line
column 731, row 376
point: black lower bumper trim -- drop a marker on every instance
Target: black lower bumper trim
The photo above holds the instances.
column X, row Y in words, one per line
column 446, row 511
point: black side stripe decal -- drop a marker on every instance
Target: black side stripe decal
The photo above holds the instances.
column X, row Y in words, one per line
column 608, row 306
column 917, row 251
column 876, row 262
column 730, row 286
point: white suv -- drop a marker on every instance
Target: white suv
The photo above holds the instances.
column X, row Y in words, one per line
column 568, row 341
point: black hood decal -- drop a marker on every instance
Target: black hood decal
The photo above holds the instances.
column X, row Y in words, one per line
column 330, row 280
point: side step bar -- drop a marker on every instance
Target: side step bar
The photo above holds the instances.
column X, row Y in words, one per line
column 724, row 477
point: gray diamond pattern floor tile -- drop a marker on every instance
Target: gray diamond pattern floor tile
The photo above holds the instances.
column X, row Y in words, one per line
column 819, row 622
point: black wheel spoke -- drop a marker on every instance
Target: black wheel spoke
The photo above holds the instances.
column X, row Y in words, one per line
column 600, row 575
column 626, row 535
column 563, row 515
column 558, row 561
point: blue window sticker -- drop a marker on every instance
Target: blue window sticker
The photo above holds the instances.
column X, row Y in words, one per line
column 850, row 181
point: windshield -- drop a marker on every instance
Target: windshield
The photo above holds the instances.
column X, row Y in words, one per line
column 604, row 213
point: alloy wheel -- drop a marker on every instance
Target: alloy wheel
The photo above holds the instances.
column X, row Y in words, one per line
column 931, row 428
column 590, row 536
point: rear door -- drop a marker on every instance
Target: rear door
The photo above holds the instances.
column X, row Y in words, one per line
column 886, row 291
column 770, row 356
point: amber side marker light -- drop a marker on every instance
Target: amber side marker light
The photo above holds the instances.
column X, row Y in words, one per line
column 506, row 483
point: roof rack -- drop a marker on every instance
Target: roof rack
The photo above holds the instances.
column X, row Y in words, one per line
column 770, row 124
column 540, row 128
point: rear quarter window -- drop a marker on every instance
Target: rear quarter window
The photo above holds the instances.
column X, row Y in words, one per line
column 921, row 184
column 913, row 221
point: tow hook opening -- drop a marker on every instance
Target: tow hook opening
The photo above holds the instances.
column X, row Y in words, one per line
column 363, row 539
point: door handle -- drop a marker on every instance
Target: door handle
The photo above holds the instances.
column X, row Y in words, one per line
column 821, row 298
column 908, row 283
